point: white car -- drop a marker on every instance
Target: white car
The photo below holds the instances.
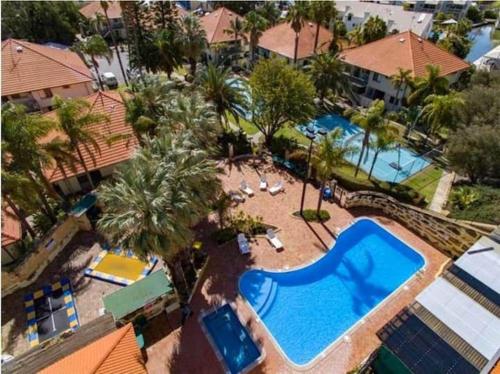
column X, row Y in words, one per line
column 109, row 79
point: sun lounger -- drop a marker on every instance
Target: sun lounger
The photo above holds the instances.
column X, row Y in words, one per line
column 278, row 187
column 236, row 196
column 263, row 183
column 273, row 239
column 246, row 189
column 243, row 244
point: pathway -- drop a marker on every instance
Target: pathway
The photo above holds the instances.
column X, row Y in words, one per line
column 442, row 191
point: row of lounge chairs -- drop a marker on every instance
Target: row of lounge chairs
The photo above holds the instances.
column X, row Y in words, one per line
column 275, row 189
column 271, row 236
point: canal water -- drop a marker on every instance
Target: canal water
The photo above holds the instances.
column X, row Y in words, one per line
column 481, row 42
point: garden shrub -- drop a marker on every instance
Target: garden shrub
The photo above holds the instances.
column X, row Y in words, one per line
column 281, row 144
column 240, row 223
column 238, row 139
column 310, row 215
column 475, row 203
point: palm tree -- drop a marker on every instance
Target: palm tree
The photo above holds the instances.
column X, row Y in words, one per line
column 169, row 45
column 371, row 121
column 432, row 84
column 327, row 73
column 154, row 201
column 74, row 118
column 401, row 80
column 226, row 93
column 193, row 40
column 235, row 29
column 105, row 7
column 328, row 155
column 385, row 141
column 95, row 46
column 441, row 111
column 355, row 36
column 374, row 29
column 297, row 15
column 59, row 152
column 322, row 12
column 254, row 25
column 270, row 12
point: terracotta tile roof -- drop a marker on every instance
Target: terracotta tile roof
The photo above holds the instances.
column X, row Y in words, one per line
column 92, row 8
column 11, row 227
column 280, row 39
column 216, row 22
column 109, row 103
column 404, row 50
column 27, row 67
column 117, row 352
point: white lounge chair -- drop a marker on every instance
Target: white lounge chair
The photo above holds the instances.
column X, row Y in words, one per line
column 236, row 196
column 263, row 183
column 276, row 188
column 246, row 189
column 273, row 239
column 243, row 244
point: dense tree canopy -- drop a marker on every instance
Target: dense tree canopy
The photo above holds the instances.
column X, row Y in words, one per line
column 41, row 21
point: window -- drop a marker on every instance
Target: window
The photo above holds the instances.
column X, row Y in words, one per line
column 66, row 86
column 349, row 16
column 376, row 77
column 393, row 100
column 47, row 92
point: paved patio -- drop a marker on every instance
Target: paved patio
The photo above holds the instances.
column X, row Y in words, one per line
column 176, row 349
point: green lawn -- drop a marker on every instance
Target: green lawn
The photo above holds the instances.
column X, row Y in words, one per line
column 425, row 181
column 247, row 126
column 292, row 133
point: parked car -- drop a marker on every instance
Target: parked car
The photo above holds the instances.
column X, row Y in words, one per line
column 109, row 80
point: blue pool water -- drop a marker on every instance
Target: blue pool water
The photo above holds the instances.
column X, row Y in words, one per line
column 232, row 340
column 307, row 309
column 481, row 42
column 409, row 162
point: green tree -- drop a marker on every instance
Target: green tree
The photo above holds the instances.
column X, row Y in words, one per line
column 474, row 14
column 153, row 202
column 374, row 29
column 226, row 93
column 95, row 46
column 371, row 121
column 74, row 118
column 456, row 40
column 441, row 111
column 356, row 36
column 269, row 11
column 475, row 152
column 432, row 84
column 41, row 21
column 329, row 154
column 280, row 94
column 136, row 19
column 254, row 25
column 327, row 74
column 402, row 80
column 235, row 29
column 61, row 156
column 482, row 106
column 322, row 12
column 193, row 41
column 385, row 141
column 169, row 45
column 239, row 7
column 105, row 7
column 297, row 16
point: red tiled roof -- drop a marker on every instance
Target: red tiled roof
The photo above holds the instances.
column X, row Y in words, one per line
column 90, row 9
column 27, row 67
column 215, row 24
column 11, row 227
column 117, row 352
column 109, row 103
column 280, row 39
column 405, row 50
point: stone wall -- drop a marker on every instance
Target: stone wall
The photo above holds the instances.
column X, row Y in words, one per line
column 450, row 236
column 46, row 250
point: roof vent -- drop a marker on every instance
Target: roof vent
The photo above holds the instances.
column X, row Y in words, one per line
column 419, row 40
column 19, row 49
column 402, row 40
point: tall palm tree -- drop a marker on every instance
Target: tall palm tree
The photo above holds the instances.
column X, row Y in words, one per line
column 371, row 121
column 322, row 12
column 227, row 94
column 401, row 80
column 270, row 12
column 441, row 111
column 327, row 73
column 193, row 40
column 329, row 154
column 136, row 117
column 74, row 118
column 95, row 46
column 59, row 152
column 235, row 29
column 169, row 45
column 154, row 201
column 374, row 28
column 356, row 36
column 432, row 84
column 105, row 7
column 297, row 15
column 385, row 141
column 254, row 25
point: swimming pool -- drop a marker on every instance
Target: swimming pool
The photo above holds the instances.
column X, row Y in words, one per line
column 308, row 309
column 392, row 166
column 234, row 346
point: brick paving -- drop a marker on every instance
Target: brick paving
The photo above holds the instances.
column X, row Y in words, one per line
column 175, row 349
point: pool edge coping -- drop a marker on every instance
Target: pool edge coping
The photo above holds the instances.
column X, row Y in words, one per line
column 324, row 353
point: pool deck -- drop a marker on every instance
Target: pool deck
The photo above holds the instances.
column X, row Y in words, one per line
column 176, row 349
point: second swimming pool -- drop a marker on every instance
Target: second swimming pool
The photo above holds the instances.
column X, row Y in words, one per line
column 308, row 309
